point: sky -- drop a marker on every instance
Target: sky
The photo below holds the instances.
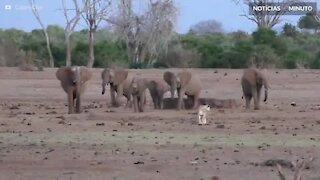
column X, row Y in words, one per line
column 190, row 12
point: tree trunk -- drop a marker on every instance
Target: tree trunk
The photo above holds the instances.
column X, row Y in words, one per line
column 51, row 61
column 91, row 48
column 68, row 49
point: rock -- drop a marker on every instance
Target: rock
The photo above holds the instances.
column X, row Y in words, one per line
column 215, row 178
column 193, row 162
column 139, row 162
column 220, row 126
column 274, row 162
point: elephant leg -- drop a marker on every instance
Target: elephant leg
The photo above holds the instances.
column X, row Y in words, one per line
column 161, row 101
column 78, row 104
column 248, row 98
column 113, row 96
column 154, row 100
column 145, row 99
column 142, row 102
column 158, row 101
column 70, row 102
column 135, row 103
column 258, row 96
column 119, row 95
column 179, row 102
column 195, row 101
column 255, row 99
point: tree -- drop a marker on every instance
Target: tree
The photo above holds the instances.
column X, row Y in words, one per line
column 70, row 25
column 37, row 16
column 289, row 30
column 205, row 27
column 94, row 12
column 264, row 20
column 148, row 34
column 309, row 22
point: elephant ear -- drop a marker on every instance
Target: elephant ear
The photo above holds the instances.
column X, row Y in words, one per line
column 120, row 76
column 168, row 76
column 85, row 74
column 63, row 74
column 185, row 77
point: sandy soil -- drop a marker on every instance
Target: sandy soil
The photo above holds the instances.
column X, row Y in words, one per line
column 38, row 140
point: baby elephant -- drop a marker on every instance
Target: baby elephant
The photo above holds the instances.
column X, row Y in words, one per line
column 157, row 89
column 73, row 81
column 252, row 82
column 138, row 91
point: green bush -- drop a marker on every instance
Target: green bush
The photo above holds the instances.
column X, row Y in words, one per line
column 264, row 47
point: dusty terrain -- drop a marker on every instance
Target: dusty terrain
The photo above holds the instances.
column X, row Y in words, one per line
column 38, row 140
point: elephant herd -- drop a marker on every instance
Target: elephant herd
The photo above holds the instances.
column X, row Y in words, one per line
column 73, row 81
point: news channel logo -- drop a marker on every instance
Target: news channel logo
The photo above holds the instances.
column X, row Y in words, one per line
column 299, row 8
column 22, row 7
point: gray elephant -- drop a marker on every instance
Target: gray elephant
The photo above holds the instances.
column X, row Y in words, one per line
column 171, row 79
column 188, row 84
column 157, row 89
column 252, row 81
column 138, row 89
column 119, row 81
column 73, row 81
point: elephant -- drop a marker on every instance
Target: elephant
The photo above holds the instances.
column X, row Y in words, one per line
column 252, row 81
column 188, row 84
column 171, row 79
column 119, row 80
column 73, row 81
column 138, row 89
column 157, row 89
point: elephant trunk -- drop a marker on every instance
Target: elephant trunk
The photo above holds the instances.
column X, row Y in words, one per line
column 172, row 91
column 78, row 90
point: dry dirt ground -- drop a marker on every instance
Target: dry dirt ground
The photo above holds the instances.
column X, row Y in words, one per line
column 38, row 140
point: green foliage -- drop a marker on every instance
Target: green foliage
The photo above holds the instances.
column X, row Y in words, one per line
column 315, row 64
column 264, row 48
column 269, row 37
column 238, row 56
column 308, row 22
column 264, row 56
column 297, row 58
column 289, row 30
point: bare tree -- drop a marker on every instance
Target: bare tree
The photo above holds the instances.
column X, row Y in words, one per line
column 262, row 19
column 71, row 24
column 147, row 34
column 205, row 27
column 94, row 12
column 317, row 16
column 44, row 29
column 158, row 27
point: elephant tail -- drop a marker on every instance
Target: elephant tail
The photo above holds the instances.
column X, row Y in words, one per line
column 103, row 88
column 266, row 87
